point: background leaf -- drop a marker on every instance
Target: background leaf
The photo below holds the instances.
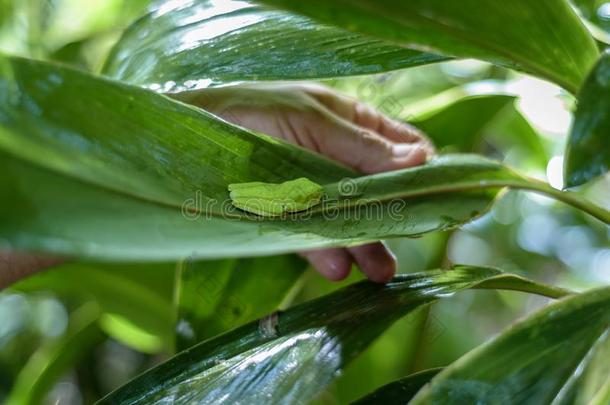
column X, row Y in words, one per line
column 400, row 391
column 588, row 150
column 40, row 28
column 463, row 133
column 592, row 384
column 138, row 295
column 533, row 362
column 219, row 295
column 563, row 50
column 291, row 356
column 191, row 44
column 595, row 15
column 49, row 362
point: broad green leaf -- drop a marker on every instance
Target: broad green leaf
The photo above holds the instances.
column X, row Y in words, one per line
column 148, row 176
column 588, row 151
column 189, row 44
column 595, row 15
column 38, row 28
column 464, row 117
column 115, row 151
column 6, row 10
column 543, row 359
column 435, row 102
column 96, row 223
column 219, row 295
column 592, row 384
column 387, row 358
column 138, row 295
column 444, row 174
column 55, row 357
column 157, row 175
column 398, row 351
column 289, row 357
column 460, row 125
column 542, row 37
column 510, row 130
column 588, row 7
column 400, row 391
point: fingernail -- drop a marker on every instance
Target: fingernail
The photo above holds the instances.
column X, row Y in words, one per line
column 402, row 149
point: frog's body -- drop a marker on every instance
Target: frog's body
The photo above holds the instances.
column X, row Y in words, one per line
column 268, row 199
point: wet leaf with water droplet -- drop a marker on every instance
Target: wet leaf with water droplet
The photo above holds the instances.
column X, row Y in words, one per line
column 314, row 341
column 201, row 43
column 563, row 50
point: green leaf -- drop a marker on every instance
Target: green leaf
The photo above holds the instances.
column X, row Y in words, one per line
column 55, row 357
column 592, row 384
column 588, row 150
column 140, row 295
column 547, row 358
column 596, row 22
column 445, row 174
column 38, row 28
column 460, row 125
column 143, row 187
column 95, row 223
column 291, row 356
column 588, row 7
column 400, row 391
column 217, row 296
column 6, row 10
column 134, row 141
column 543, row 37
column 140, row 186
column 510, row 130
column 387, row 358
column 468, row 118
column 189, row 44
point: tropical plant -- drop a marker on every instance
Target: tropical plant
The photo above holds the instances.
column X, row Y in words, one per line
column 108, row 164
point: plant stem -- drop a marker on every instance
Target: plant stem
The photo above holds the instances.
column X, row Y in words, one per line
column 567, row 197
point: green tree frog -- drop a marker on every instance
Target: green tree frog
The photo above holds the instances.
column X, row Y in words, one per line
column 268, row 199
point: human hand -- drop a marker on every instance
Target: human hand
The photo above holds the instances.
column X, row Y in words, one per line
column 333, row 125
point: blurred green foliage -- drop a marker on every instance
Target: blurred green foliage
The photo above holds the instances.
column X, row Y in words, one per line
column 464, row 106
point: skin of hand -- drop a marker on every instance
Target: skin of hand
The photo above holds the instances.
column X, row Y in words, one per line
column 316, row 118
column 16, row 265
column 333, row 125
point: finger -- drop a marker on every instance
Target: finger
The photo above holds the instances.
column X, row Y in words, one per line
column 338, row 103
column 333, row 264
column 400, row 132
column 376, row 261
column 365, row 150
column 410, row 154
column 367, row 117
column 360, row 149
